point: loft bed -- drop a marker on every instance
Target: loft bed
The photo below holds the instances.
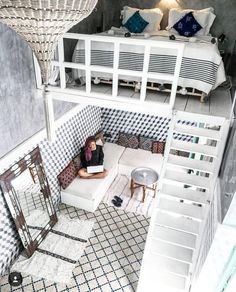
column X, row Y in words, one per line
column 202, row 67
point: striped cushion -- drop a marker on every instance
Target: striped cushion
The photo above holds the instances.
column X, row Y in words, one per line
column 158, row 147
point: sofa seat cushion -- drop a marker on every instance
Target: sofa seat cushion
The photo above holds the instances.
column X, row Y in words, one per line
column 90, row 188
column 139, row 157
column 112, row 154
column 84, row 188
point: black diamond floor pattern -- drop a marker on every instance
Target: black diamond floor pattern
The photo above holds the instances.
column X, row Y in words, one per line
column 111, row 261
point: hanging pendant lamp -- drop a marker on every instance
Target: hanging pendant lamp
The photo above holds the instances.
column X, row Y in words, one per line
column 42, row 22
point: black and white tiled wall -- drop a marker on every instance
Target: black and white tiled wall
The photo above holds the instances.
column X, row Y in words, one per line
column 70, row 138
column 115, row 121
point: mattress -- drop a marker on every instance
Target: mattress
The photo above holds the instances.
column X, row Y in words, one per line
column 202, row 66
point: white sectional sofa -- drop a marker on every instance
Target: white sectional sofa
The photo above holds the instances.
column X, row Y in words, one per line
column 87, row 194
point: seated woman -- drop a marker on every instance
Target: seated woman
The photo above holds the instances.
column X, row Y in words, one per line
column 91, row 155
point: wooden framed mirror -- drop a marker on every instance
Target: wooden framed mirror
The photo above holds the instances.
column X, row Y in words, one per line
column 27, row 193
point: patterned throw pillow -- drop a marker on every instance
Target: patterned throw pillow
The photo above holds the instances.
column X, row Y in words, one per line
column 145, row 143
column 128, row 140
column 158, row 147
column 136, row 23
column 187, row 26
column 67, row 175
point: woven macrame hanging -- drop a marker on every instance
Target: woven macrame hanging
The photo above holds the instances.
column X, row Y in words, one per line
column 42, row 22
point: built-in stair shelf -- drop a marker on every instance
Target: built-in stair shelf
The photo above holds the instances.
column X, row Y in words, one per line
column 184, row 205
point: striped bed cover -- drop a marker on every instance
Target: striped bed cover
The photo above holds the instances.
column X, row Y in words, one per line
column 202, row 66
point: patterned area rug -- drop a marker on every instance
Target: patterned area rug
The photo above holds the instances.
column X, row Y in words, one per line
column 111, row 261
column 121, row 188
column 59, row 253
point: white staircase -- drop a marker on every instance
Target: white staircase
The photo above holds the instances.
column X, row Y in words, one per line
column 186, row 188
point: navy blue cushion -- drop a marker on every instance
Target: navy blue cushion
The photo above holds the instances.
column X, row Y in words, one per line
column 136, row 23
column 187, row 26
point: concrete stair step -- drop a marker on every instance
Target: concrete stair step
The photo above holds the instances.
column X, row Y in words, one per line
column 189, row 163
column 198, row 132
column 174, row 236
column 188, row 179
column 178, row 223
column 184, row 194
column 171, row 251
column 183, row 209
column 194, row 148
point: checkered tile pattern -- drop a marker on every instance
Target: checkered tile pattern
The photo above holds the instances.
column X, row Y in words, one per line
column 70, row 138
column 115, row 121
column 112, row 259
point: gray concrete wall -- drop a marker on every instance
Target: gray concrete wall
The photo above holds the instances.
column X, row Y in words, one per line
column 21, row 114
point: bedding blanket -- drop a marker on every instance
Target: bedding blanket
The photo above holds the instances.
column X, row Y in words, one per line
column 202, row 66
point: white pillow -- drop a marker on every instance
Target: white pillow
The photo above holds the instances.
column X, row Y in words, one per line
column 204, row 17
column 152, row 16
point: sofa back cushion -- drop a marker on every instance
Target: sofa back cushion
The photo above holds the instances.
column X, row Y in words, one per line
column 67, row 175
column 128, row 140
column 145, row 143
column 158, row 147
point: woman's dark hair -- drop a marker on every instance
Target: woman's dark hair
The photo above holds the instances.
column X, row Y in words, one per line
column 87, row 149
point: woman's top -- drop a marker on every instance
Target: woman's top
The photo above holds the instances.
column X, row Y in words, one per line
column 97, row 157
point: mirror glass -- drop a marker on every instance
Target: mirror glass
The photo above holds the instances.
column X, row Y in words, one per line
column 26, row 191
column 30, row 197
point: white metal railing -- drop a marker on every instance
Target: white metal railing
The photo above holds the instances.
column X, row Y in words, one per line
column 115, row 71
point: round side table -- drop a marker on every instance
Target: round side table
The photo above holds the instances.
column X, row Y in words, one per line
column 145, row 178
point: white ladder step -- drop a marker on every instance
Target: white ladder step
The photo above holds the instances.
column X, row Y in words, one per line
column 197, row 132
column 184, row 194
column 188, row 179
column 158, row 280
column 165, row 264
column 194, row 148
column 171, row 251
column 189, row 163
column 173, row 236
column 178, row 223
column 176, row 207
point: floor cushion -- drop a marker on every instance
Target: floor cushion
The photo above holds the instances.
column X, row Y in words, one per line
column 112, row 154
column 138, row 157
